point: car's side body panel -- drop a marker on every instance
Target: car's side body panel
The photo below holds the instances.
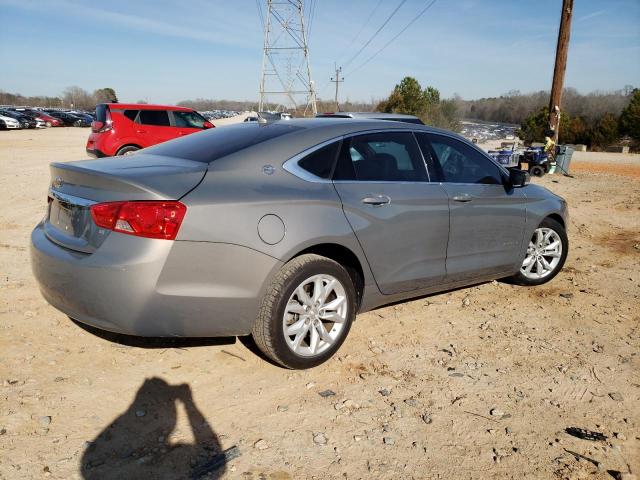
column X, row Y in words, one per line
column 405, row 241
column 486, row 231
column 229, row 204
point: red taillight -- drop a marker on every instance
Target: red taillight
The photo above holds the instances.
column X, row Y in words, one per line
column 150, row 219
column 99, row 127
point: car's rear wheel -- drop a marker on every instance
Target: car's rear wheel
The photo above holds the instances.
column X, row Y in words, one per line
column 48, row 124
column 546, row 254
column 306, row 313
column 128, row 150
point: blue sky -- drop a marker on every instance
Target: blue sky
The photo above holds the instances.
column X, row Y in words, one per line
column 165, row 51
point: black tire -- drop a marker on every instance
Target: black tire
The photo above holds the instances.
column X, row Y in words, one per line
column 537, row 171
column 268, row 331
column 129, row 149
column 520, row 279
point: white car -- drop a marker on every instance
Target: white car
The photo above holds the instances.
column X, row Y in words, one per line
column 10, row 123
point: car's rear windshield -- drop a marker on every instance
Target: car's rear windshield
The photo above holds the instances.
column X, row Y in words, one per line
column 219, row 142
column 101, row 113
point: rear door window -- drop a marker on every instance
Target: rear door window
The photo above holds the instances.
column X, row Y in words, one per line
column 392, row 157
column 154, row 117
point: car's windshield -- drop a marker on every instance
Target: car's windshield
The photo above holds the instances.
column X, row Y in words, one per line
column 188, row 119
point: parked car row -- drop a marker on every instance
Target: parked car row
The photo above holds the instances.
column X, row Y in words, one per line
column 12, row 118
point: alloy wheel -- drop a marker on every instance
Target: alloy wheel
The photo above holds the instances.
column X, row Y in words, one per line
column 315, row 315
column 543, row 254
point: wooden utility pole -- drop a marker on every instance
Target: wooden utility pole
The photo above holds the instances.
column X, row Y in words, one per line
column 337, row 80
column 562, row 50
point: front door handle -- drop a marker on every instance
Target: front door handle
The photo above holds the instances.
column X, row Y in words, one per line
column 462, row 197
column 376, row 200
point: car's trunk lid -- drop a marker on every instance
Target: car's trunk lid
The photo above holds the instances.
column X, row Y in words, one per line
column 75, row 186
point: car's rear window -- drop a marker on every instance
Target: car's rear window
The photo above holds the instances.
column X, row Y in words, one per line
column 219, row 142
column 101, row 113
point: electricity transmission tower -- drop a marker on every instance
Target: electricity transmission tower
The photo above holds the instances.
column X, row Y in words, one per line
column 286, row 74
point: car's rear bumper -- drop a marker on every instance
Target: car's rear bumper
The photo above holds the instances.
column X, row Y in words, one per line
column 95, row 153
column 154, row 288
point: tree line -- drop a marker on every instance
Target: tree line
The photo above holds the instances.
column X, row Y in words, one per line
column 597, row 119
column 597, row 123
column 71, row 97
column 514, row 106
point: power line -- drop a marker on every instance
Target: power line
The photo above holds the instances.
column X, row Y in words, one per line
column 415, row 19
column 312, row 12
column 353, row 41
column 376, row 33
column 260, row 14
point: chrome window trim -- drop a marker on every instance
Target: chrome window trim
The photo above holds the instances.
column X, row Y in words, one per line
column 66, row 198
column 293, row 168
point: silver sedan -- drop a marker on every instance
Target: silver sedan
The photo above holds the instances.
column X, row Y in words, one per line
column 285, row 230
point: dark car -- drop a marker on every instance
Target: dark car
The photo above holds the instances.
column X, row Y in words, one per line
column 69, row 119
column 25, row 121
column 83, row 115
column 48, row 120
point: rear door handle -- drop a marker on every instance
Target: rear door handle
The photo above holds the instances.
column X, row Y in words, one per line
column 376, row 200
column 462, row 197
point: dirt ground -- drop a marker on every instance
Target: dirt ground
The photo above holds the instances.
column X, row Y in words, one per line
column 476, row 383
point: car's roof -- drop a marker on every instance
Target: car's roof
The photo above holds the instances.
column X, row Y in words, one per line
column 147, row 106
column 378, row 115
column 353, row 125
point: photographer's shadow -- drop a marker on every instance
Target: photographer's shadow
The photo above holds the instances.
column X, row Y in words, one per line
column 138, row 443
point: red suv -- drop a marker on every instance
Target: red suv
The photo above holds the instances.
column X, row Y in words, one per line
column 121, row 129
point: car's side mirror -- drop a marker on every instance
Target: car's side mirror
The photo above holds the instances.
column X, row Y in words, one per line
column 518, row 178
column 206, row 125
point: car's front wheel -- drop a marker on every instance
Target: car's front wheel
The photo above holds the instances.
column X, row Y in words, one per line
column 306, row 313
column 546, row 254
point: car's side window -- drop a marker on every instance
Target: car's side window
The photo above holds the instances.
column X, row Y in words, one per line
column 131, row 114
column 320, row 163
column 461, row 163
column 389, row 156
column 154, row 117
